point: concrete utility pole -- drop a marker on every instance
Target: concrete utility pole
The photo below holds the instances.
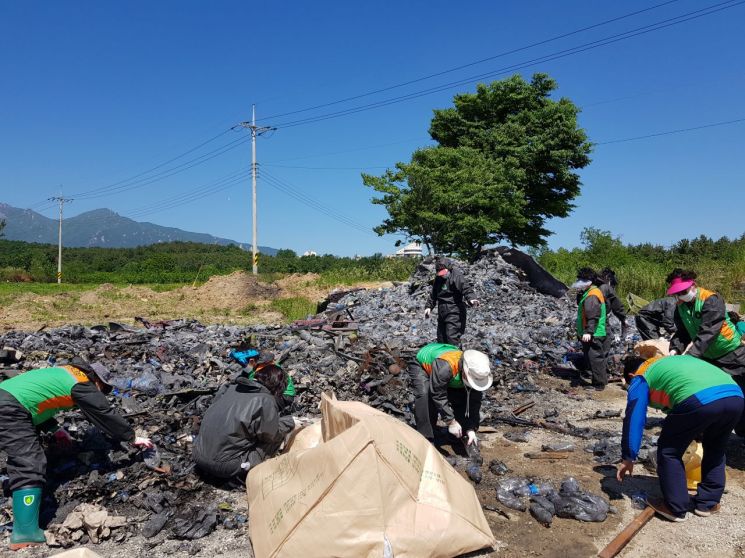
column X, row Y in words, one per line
column 62, row 202
column 255, row 131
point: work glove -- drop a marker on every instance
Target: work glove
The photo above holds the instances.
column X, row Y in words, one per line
column 62, row 439
column 474, row 302
column 143, row 443
column 673, row 352
column 455, row 429
column 427, row 312
column 586, row 338
column 471, row 438
column 246, row 466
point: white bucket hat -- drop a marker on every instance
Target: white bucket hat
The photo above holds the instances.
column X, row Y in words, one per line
column 476, row 370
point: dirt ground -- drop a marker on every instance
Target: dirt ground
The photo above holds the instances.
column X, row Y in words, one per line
column 238, row 298
column 517, row 533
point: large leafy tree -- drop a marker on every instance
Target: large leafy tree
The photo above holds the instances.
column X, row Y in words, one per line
column 504, row 163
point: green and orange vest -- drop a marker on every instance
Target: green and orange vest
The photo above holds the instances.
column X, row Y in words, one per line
column 727, row 340
column 45, row 391
column 674, row 379
column 449, row 353
column 582, row 320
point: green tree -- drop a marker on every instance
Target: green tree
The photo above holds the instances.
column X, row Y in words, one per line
column 503, row 165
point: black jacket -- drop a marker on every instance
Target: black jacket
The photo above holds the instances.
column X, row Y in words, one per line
column 453, row 289
column 661, row 313
column 713, row 313
column 613, row 304
column 96, row 408
column 242, row 425
column 592, row 310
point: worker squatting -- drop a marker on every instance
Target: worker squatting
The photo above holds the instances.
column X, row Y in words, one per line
column 698, row 386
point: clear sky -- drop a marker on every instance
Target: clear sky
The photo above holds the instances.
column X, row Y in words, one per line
column 96, row 93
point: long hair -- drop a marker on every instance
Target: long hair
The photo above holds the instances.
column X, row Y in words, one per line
column 273, row 378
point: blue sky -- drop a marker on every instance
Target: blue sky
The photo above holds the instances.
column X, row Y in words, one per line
column 95, row 93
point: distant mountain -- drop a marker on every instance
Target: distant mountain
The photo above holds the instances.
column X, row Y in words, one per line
column 102, row 228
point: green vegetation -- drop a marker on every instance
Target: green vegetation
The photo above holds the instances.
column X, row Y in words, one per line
column 642, row 268
column 177, row 263
column 504, row 163
column 294, row 308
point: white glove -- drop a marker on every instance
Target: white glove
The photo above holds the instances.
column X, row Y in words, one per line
column 246, row 466
column 472, row 439
column 143, row 443
column 586, row 338
column 673, row 352
column 455, row 429
column 474, row 302
column 427, row 312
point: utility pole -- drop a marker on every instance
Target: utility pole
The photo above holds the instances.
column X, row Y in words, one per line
column 62, row 202
column 255, row 132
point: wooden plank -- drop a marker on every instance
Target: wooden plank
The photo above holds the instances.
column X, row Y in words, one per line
column 548, row 455
column 623, row 538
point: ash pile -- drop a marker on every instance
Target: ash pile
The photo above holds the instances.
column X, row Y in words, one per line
column 358, row 347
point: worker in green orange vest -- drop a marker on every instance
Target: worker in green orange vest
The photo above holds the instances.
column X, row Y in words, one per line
column 450, row 383
column 701, row 402
column 591, row 326
column 702, row 322
column 30, row 401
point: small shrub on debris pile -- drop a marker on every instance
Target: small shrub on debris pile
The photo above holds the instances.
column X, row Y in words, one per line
column 166, row 374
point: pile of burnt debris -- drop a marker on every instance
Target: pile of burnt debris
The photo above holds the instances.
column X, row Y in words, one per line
column 166, row 374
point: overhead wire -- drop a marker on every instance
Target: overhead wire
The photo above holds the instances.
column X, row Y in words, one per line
column 662, row 24
column 474, row 63
column 670, row 132
column 318, row 206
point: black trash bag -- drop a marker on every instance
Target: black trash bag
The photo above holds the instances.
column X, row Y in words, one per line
column 155, row 524
column 542, row 509
column 194, row 523
column 540, row 279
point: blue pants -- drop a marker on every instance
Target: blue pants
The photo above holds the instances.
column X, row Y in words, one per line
column 690, row 419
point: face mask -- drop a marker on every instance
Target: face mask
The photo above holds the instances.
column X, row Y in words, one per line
column 688, row 297
column 581, row 284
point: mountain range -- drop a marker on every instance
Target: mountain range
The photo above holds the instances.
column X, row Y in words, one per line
column 100, row 228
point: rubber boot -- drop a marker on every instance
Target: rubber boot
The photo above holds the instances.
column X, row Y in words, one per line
column 26, row 532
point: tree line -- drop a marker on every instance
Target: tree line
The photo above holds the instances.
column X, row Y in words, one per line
column 179, row 262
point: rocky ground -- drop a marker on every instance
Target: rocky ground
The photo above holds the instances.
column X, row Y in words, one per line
column 168, row 372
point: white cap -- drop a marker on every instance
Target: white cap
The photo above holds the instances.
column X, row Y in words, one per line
column 476, row 370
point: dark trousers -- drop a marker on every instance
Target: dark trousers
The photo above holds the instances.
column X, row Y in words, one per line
column 733, row 363
column 596, row 359
column 463, row 402
column 27, row 464
column 451, row 323
column 688, row 420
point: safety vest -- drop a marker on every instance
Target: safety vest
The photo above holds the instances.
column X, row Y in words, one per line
column 727, row 340
column 45, row 391
column 674, row 379
column 582, row 320
column 449, row 353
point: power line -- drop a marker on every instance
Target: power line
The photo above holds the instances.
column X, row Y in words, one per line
column 476, row 62
column 296, row 194
column 662, row 24
column 326, row 168
column 670, row 132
